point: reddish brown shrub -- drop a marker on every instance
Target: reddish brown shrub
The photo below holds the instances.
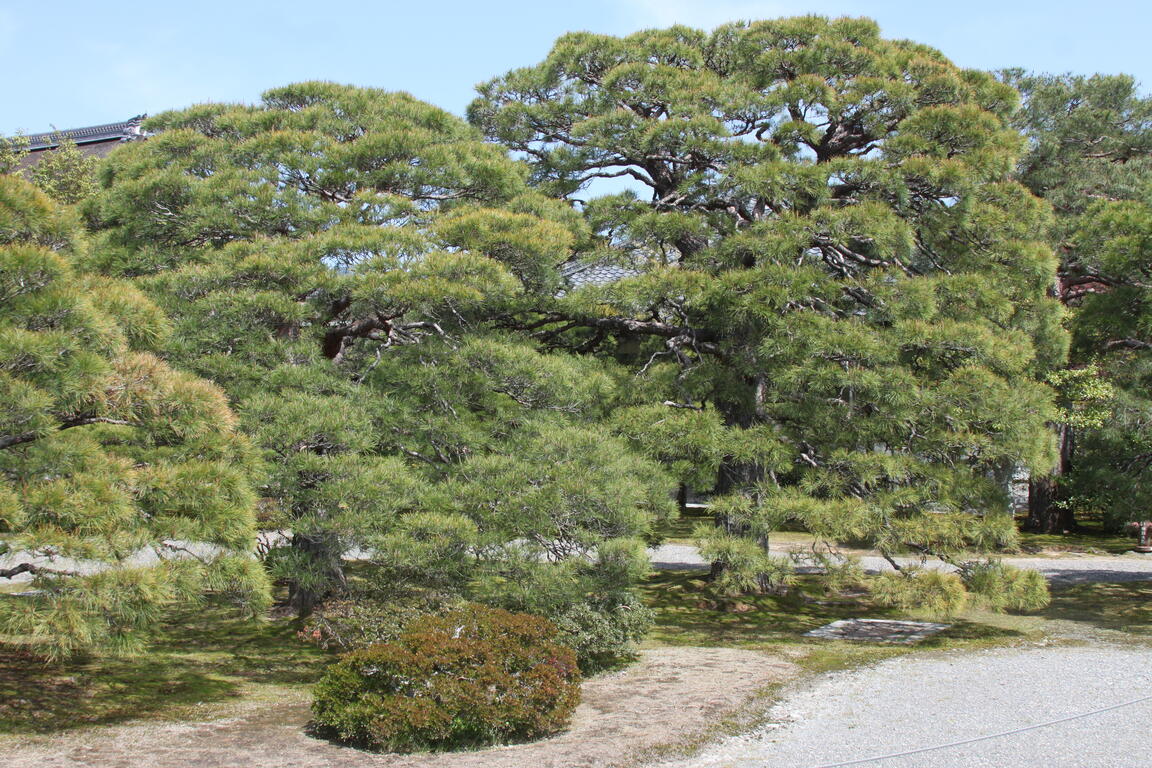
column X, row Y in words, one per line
column 473, row 676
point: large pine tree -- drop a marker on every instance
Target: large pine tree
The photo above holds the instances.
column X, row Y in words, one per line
column 335, row 257
column 832, row 263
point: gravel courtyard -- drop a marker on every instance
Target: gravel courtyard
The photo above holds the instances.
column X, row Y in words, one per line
column 916, row 702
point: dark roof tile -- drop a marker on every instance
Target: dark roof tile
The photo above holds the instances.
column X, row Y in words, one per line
column 110, row 132
column 579, row 274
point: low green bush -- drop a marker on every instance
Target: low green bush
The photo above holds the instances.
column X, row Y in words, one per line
column 935, row 593
column 1002, row 587
column 472, row 677
column 603, row 636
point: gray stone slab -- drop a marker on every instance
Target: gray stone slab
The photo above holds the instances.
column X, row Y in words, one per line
column 878, row 630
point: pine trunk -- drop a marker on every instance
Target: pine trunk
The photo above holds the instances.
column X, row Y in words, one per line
column 1045, row 513
column 323, row 557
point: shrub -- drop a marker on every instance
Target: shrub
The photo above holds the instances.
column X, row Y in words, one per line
column 936, row 593
column 1002, row 587
column 363, row 617
column 474, row 676
column 603, row 635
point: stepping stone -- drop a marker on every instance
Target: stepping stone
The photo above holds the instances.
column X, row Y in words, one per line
column 878, row 630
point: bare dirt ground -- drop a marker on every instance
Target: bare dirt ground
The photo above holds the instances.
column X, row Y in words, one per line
column 673, row 695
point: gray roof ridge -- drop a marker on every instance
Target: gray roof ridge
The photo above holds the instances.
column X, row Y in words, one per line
column 123, row 131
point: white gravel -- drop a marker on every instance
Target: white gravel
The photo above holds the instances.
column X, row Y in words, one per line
column 916, row 702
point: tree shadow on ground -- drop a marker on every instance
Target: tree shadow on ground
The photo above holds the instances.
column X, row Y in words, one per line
column 1125, row 606
column 199, row 655
column 687, row 614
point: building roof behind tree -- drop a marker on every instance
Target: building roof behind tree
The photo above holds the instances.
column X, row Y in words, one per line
column 578, row 274
column 97, row 140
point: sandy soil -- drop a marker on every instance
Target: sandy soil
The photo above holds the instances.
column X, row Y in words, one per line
column 673, row 695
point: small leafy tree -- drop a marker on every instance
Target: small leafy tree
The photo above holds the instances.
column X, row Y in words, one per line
column 64, row 173
column 105, row 452
column 12, row 151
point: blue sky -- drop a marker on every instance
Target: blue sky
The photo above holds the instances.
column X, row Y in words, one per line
column 70, row 64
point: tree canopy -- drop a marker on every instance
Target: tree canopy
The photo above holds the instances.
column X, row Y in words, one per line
column 833, row 264
column 838, row 304
column 338, row 259
column 1090, row 153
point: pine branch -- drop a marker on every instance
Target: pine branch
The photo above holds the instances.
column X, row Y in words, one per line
column 1127, row 344
column 7, row 441
column 35, row 570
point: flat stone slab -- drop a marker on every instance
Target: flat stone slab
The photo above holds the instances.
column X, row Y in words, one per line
column 878, row 630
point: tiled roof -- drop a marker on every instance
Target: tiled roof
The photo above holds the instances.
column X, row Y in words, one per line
column 578, row 274
column 125, row 131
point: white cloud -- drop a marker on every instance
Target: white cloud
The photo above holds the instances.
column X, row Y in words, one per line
column 702, row 14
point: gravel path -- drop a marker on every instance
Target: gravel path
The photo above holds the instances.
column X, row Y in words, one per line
column 1065, row 569
column 1068, row 569
column 916, row 702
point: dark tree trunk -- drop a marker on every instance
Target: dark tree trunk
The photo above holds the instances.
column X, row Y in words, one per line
column 734, row 476
column 323, row 555
column 1045, row 513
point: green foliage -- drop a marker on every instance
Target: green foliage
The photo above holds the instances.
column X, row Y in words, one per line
column 1003, row 587
column 925, row 591
column 1085, row 397
column 12, row 151
column 64, row 173
column 840, row 303
column 1090, row 152
column 603, row 636
column 105, row 451
column 472, row 677
column 363, row 617
column 340, row 260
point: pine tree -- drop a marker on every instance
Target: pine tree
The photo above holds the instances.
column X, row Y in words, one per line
column 833, row 267
column 338, row 259
column 106, row 453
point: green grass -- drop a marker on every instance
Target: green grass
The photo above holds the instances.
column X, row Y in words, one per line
column 1090, row 538
column 687, row 615
column 200, row 658
column 679, row 529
